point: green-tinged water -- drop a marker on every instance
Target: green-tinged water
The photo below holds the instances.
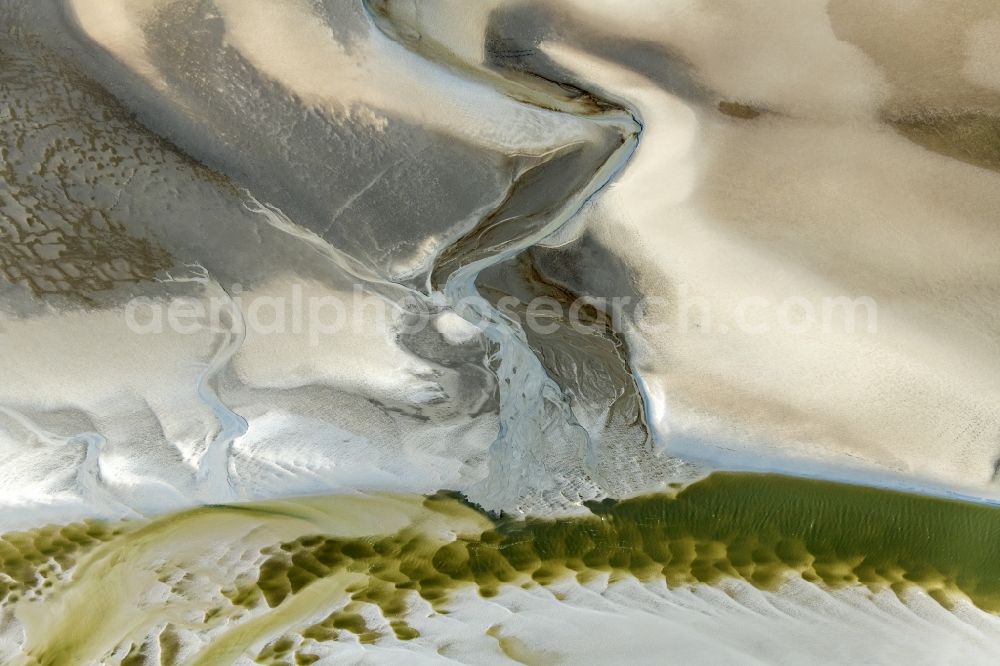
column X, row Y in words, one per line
column 273, row 579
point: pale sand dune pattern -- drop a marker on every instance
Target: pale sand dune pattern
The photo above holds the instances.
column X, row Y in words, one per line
column 544, row 256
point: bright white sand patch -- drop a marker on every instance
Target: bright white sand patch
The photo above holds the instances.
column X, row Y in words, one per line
column 287, row 42
column 117, row 26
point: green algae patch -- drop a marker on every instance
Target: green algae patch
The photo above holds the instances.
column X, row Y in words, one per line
column 32, row 561
column 761, row 527
column 275, row 580
column 757, row 528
